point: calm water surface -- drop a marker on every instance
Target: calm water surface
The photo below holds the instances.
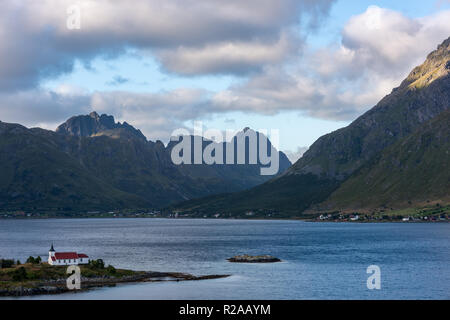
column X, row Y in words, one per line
column 320, row 260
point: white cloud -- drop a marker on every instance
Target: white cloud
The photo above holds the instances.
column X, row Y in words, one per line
column 382, row 42
column 230, row 57
column 156, row 114
column 378, row 49
column 386, row 41
column 35, row 42
column 33, row 107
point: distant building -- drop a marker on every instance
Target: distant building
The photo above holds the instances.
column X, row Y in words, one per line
column 66, row 258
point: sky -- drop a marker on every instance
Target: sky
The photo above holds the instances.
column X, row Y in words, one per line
column 303, row 67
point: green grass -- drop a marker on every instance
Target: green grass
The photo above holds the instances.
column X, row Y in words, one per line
column 412, row 173
column 286, row 197
column 37, row 273
column 426, row 211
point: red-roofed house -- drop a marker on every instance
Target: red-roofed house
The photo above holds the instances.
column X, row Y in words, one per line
column 66, row 258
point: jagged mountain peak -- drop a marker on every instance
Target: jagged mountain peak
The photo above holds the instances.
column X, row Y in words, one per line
column 94, row 115
column 437, row 65
column 95, row 125
column 60, row 172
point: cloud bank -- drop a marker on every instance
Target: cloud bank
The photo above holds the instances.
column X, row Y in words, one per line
column 377, row 51
column 232, row 36
column 263, row 42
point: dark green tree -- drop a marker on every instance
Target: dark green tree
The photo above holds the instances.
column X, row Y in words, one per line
column 97, row 264
column 31, row 260
column 34, row 260
column 111, row 270
column 6, row 263
column 19, row 274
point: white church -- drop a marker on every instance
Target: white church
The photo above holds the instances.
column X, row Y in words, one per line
column 66, row 258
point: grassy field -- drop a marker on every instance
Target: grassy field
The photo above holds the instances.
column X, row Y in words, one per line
column 426, row 211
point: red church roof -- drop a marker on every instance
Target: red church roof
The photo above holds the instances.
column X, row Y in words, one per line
column 66, row 255
column 69, row 255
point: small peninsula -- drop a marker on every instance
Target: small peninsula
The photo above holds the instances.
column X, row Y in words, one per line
column 35, row 277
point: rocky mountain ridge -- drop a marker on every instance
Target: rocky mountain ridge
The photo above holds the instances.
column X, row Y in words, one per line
column 92, row 162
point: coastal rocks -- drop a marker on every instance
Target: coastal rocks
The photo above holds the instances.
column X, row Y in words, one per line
column 24, row 291
column 55, row 286
column 253, row 259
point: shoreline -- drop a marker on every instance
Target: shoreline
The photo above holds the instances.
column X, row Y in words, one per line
column 423, row 214
column 447, row 220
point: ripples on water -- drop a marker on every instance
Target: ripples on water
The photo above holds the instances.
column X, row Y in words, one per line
column 320, row 260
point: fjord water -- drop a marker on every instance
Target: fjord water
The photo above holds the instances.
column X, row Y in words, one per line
column 320, row 260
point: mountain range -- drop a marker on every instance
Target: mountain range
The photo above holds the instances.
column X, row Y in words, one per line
column 92, row 162
column 395, row 155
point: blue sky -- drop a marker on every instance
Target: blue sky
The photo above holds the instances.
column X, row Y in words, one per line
column 304, row 80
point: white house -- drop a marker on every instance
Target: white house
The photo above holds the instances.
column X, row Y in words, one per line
column 66, row 258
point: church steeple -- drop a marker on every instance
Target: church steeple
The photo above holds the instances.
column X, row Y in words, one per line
column 51, row 254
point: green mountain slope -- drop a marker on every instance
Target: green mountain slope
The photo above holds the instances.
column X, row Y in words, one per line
column 278, row 196
column 133, row 166
column 424, row 94
column 412, row 172
column 35, row 174
column 120, row 157
column 333, row 158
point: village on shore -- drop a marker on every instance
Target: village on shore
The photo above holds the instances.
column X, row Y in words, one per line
column 430, row 213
